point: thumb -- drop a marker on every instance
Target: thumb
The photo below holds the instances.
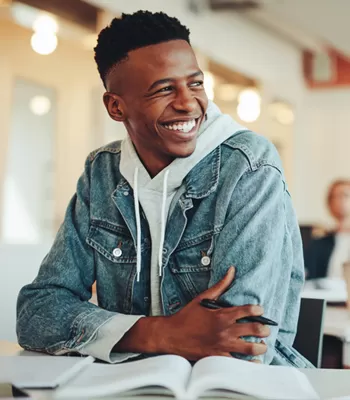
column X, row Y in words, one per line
column 219, row 288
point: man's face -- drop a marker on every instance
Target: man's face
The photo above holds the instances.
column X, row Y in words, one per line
column 162, row 99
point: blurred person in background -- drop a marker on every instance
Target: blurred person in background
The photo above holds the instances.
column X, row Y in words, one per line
column 325, row 256
column 159, row 218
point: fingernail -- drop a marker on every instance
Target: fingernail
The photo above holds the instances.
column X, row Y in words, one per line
column 256, row 310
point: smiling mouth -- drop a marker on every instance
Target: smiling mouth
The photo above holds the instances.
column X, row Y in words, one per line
column 181, row 126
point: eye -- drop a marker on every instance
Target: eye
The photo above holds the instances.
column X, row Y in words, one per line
column 196, row 84
column 165, row 89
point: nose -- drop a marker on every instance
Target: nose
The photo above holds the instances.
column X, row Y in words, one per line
column 185, row 101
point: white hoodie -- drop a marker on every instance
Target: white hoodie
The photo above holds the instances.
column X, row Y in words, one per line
column 156, row 194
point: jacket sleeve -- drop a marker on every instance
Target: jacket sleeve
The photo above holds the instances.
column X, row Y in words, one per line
column 261, row 238
column 54, row 314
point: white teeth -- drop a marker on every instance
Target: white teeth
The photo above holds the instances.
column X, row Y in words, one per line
column 182, row 126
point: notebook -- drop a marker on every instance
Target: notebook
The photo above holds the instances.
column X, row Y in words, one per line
column 173, row 375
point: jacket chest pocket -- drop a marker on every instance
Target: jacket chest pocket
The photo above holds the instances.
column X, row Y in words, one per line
column 191, row 265
column 115, row 265
column 115, row 246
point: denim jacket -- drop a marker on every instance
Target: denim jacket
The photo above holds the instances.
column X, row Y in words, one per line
column 234, row 209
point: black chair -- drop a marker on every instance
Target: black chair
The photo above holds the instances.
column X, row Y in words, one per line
column 309, row 337
column 306, row 235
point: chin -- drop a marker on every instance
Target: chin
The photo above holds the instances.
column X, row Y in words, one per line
column 183, row 151
column 183, row 155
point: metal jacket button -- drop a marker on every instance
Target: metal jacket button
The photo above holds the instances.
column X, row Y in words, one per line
column 117, row 252
column 205, row 261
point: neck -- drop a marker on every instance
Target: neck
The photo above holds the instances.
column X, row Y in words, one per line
column 344, row 225
column 152, row 162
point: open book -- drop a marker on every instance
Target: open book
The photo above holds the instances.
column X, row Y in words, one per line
column 40, row 372
column 174, row 375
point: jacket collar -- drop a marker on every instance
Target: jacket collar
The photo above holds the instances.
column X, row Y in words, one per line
column 203, row 179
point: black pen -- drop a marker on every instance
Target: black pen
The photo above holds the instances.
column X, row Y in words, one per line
column 216, row 305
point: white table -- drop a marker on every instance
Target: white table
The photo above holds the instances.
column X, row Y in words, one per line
column 337, row 323
column 329, row 383
column 337, row 319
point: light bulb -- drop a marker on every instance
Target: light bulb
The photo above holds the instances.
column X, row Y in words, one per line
column 40, row 105
column 248, row 112
column 44, row 43
column 45, row 23
column 249, row 96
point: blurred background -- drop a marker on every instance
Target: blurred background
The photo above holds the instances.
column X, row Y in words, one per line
column 280, row 67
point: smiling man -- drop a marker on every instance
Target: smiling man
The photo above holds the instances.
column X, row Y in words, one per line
column 158, row 220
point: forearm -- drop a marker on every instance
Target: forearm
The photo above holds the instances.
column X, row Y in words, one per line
column 148, row 336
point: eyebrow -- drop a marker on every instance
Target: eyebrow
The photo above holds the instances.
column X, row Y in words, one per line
column 170, row 80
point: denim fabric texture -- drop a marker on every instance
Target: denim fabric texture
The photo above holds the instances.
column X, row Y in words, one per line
column 235, row 209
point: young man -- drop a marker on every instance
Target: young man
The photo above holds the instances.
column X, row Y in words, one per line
column 160, row 218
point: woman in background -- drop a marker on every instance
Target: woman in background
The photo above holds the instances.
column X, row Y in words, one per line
column 324, row 257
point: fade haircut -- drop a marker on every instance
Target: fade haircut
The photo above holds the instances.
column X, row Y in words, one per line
column 131, row 32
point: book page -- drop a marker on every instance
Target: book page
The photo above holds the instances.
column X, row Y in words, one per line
column 97, row 380
column 42, row 371
column 264, row 381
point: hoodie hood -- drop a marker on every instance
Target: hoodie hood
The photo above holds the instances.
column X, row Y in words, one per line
column 156, row 193
column 216, row 128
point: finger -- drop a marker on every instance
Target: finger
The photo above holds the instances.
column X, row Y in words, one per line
column 256, row 361
column 238, row 312
column 250, row 329
column 248, row 348
column 219, row 288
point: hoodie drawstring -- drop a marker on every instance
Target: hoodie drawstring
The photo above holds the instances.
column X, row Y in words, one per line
column 163, row 222
column 138, row 223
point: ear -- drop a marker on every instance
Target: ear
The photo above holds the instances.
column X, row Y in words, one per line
column 114, row 106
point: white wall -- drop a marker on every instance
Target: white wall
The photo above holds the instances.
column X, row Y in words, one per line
column 323, row 150
column 28, row 197
column 72, row 73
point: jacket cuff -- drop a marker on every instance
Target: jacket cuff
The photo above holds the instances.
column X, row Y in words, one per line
column 107, row 336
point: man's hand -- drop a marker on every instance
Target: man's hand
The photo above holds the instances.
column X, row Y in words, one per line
column 196, row 332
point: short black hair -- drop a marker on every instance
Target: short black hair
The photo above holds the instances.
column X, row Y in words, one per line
column 133, row 31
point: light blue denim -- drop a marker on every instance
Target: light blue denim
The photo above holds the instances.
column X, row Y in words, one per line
column 234, row 208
